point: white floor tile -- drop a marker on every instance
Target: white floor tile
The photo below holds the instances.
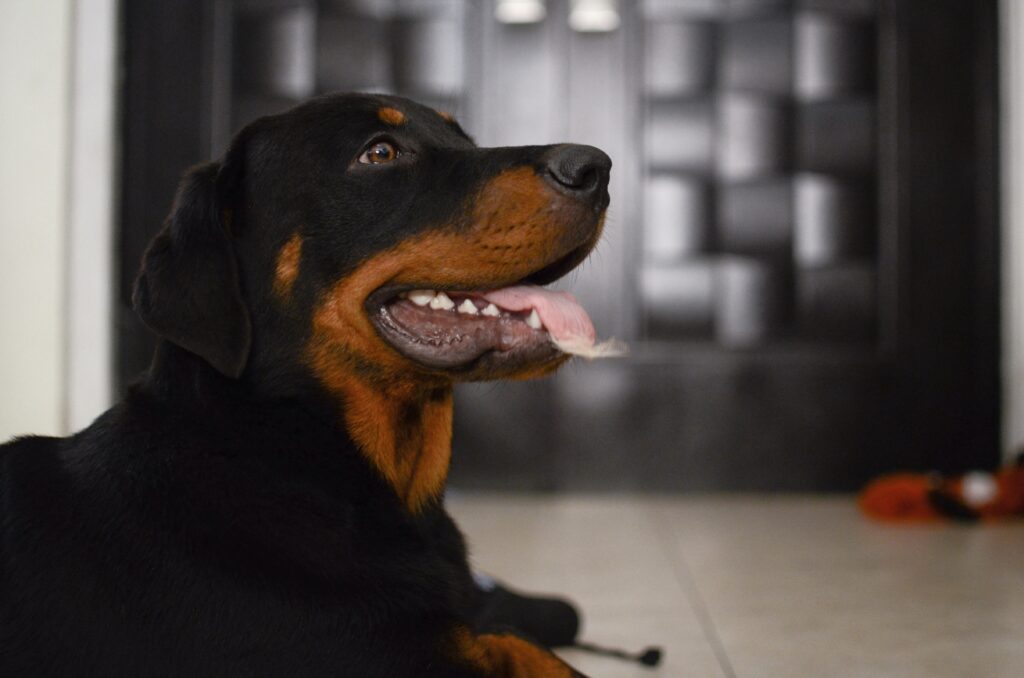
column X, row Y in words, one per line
column 776, row 586
column 605, row 555
column 807, row 587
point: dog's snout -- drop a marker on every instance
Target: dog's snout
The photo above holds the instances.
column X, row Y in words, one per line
column 581, row 171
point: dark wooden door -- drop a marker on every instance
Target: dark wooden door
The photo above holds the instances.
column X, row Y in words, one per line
column 802, row 246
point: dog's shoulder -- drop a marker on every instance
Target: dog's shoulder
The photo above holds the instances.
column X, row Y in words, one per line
column 25, row 447
column 27, row 464
column 30, row 468
column 148, row 477
column 156, row 520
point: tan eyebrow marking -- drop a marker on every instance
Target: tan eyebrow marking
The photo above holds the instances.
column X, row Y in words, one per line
column 391, row 116
column 287, row 266
column 448, row 117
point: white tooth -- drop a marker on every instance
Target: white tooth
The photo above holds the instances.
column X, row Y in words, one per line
column 442, row 301
column 421, row 297
column 491, row 310
column 533, row 320
column 468, row 307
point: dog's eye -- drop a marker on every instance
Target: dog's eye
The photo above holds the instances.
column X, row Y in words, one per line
column 379, row 153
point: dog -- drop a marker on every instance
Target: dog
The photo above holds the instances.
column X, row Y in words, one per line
column 268, row 499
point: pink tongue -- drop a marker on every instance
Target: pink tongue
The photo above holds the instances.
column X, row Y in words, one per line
column 563, row 317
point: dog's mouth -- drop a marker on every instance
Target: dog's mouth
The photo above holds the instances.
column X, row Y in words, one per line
column 497, row 330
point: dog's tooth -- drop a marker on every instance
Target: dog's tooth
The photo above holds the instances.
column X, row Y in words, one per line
column 533, row 320
column 442, row 302
column 469, row 307
column 421, row 297
column 491, row 310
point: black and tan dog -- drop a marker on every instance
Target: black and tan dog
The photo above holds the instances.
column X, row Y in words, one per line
column 268, row 500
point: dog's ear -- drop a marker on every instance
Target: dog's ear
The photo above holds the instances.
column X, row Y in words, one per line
column 188, row 289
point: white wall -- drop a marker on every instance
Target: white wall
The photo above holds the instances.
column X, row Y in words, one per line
column 57, row 164
column 1012, row 59
column 35, row 42
column 90, row 263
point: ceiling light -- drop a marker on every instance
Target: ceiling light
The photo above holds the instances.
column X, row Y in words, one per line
column 520, row 11
column 594, row 16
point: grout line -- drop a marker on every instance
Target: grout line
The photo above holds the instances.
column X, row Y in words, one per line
column 687, row 582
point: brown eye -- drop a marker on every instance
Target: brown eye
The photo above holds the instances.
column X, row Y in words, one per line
column 378, row 153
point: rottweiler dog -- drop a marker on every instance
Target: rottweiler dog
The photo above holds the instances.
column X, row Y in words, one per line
column 267, row 500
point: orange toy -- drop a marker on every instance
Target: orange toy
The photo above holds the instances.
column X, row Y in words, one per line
column 927, row 498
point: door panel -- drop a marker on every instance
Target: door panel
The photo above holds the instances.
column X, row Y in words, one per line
column 790, row 326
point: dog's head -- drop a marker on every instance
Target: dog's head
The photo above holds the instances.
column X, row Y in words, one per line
column 368, row 235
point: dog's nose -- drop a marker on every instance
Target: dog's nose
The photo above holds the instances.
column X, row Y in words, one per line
column 581, row 171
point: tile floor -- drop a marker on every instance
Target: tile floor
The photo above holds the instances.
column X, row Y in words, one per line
column 762, row 586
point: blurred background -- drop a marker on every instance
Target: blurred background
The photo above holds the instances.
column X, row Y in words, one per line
column 808, row 250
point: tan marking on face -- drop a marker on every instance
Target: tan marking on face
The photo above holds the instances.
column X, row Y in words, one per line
column 448, row 117
column 287, row 268
column 506, row 656
column 391, row 116
column 512, row 229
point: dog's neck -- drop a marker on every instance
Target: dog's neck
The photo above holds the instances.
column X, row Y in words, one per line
column 405, row 431
column 180, row 376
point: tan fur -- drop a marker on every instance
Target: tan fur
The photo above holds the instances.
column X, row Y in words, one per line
column 504, row 656
column 391, row 116
column 287, row 268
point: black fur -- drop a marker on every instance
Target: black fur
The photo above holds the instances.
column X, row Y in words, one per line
column 220, row 521
column 188, row 290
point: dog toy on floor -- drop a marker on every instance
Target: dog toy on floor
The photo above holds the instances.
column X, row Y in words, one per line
column 925, row 498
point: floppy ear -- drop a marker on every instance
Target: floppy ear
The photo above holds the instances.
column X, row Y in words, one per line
column 188, row 288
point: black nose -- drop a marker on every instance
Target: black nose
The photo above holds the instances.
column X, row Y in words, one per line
column 581, row 171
